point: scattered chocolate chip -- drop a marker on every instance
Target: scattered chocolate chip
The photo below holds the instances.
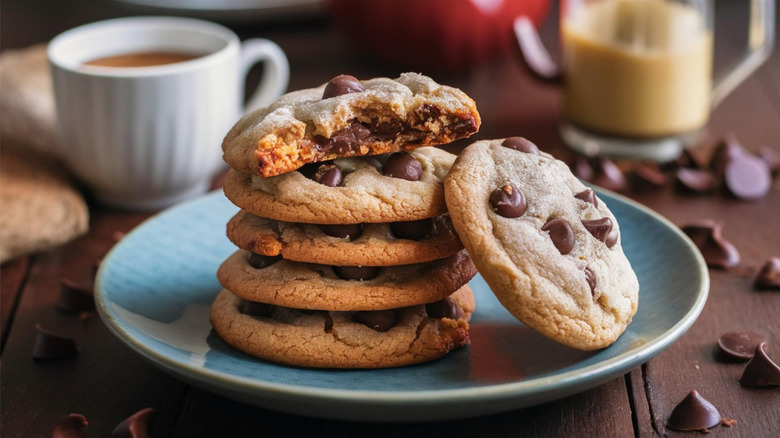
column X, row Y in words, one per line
column 693, row 413
column 590, row 277
column 588, row 195
column 402, row 165
column 413, row 230
column 380, row 320
column 342, row 84
column 608, row 175
column 444, row 308
column 75, row 298
column 646, row 176
column 693, row 158
column 582, row 169
column 136, row 425
column 360, row 273
column 727, row 148
column 520, row 144
column 771, row 157
column 599, row 228
column 259, row 261
column 761, row 370
column 769, row 276
column 717, row 251
column 747, row 176
column 561, row 234
column 51, row 346
column 70, row 426
column 116, row 236
column 695, row 180
column 351, row 231
column 84, row 316
column 508, row 202
column 253, row 308
column 739, row 345
column 328, row 174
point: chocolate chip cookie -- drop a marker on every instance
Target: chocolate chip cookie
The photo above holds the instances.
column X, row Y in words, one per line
column 321, row 339
column 346, row 118
column 396, row 243
column 547, row 246
column 378, row 189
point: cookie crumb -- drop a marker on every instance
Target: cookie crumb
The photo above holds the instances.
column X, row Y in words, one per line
column 728, row 422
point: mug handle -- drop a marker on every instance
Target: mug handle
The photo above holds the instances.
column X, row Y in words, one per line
column 535, row 57
column 761, row 41
column 276, row 71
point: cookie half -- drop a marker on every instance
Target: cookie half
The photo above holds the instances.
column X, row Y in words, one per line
column 399, row 243
column 547, row 246
column 319, row 287
column 336, row 340
column 364, row 195
column 346, row 118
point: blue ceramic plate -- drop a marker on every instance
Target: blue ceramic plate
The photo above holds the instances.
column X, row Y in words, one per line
column 155, row 287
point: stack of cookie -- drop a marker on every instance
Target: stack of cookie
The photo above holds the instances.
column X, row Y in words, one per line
column 347, row 258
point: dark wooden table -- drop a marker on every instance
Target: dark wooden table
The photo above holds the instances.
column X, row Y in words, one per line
column 107, row 382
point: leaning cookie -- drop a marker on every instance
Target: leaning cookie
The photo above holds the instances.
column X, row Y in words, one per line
column 547, row 246
column 389, row 338
column 321, row 287
column 378, row 189
column 397, row 243
column 346, row 118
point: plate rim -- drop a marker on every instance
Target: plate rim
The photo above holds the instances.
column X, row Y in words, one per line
column 550, row 383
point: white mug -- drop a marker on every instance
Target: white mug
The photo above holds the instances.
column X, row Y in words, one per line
column 148, row 137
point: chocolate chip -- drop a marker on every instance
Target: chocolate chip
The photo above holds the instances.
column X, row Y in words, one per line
column 694, row 158
column 717, row 251
column 259, row 261
column 588, row 195
column 444, row 308
column 403, row 165
column 328, row 175
column 344, row 141
column 599, row 228
column 136, row 425
column 428, row 112
column 361, row 273
column 747, row 176
column 583, row 169
column 51, row 346
column 739, row 345
column 507, row 201
column 771, row 157
column 342, row 84
column 608, row 175
column 351, row 231
column 387, row 130
column 693, row 413
column 70, row 426
column 612, row 237
column 761, row 371
column 646, row 176
column 380, row 320
column 520, row 144
column 413, row 230
column 769, row 276
column 728, row 148
column 590, row 277
column 561, row 234
column 694, row 180
column 75, row 297
column 253, row 308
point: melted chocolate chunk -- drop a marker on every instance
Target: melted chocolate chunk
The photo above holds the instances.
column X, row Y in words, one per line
column 413, row 230
column 588, row 195
column 428, row 112
column 771, row 157
column 717, row 251
column 561, row 234
column 599, row 228
column 508, row 202
column 387, row 130
column 51, row 346
column 342, row 84
column 769, row 276
column 361, row 273
column 646, row 177
column 328, row 175
column 75, row 298
column 403, row 165
column 259, row 261
column 747, row 177
column 352, row 231
column 345, row 140
column 136, row 425
column 253, row 308
column 590, row 277
column 444, row 308
column 379, row 320
column 739, row 345
column 70, row 426
column 693, row 413
column 695, row 180
column 761, row 371
column 520, row 144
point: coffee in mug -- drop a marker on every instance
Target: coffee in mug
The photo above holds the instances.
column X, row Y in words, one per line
column 143, row 59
